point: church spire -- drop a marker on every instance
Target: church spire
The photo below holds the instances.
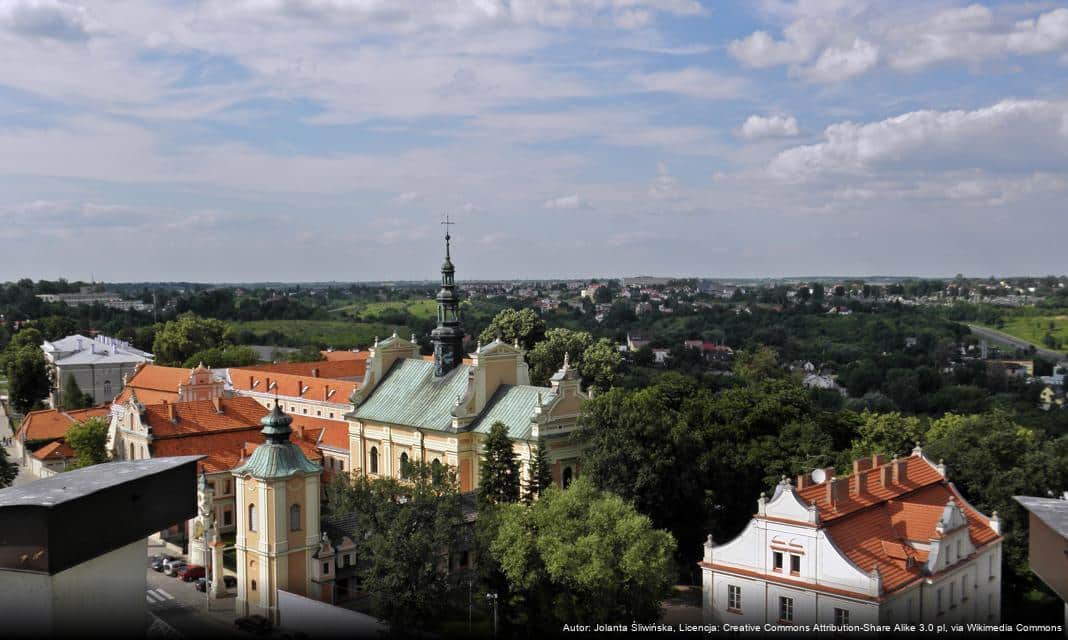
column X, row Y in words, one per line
column 448, row 336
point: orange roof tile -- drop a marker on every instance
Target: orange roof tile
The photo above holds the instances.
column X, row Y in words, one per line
column 55, row 450
column 342, row 369
column 918, row 473
column 877, row 537
column 332, row 390
column 155, row 384
column 52, row 424
column 334, row 433
column 223, row 450
column 335, row 356
column 201, row 416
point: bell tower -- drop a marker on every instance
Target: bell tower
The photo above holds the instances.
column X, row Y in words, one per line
column 277, row 521
column 448, row 336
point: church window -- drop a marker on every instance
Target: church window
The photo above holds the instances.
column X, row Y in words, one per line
column 131, row 451
column 374, row 459
column 107, row 387
column 294, row 518
column 734, row 598
column 404, row 465
column 252, row 517
column 566, row 481
column 435, row 470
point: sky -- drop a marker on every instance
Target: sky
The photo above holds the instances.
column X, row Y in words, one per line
column 297, row 140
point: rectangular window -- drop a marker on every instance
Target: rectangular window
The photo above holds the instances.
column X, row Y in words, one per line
column 734, row 598
column 990, row 605
column 952, row 595
column 795, row 564
column 963, row 588
column 940, row 609
column 991, row 565
column 958, row 549
column 228, row 518
column 776, row 563
column 786, row 609
column 841, row 617
column 326, row 567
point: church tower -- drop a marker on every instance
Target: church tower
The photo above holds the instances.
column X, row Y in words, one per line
column 277, row 521
column 448, row 336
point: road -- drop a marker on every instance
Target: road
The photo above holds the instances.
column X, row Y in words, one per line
column 998, row 336
column 184, row 609
column 5, row 432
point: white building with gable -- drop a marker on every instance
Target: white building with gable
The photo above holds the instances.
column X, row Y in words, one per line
column 893, row 542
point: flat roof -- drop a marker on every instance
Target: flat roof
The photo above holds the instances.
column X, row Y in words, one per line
column 79, row 483
column 1052, row 511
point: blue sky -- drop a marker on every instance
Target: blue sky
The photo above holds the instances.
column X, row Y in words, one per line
column 225, row 140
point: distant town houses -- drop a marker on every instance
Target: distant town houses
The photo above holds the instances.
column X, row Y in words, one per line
column 98, row 365
column 892, row 542
column 88, row 297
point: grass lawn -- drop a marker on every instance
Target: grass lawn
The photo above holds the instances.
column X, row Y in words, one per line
column 1033, row 328
column 418, row 308
column 327, row 333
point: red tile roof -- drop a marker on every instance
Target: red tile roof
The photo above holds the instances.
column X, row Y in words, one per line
column 201, row 416
column 224, row 450
column 52, row 424
column 874, row 528
column 155, row 384
column 332, row 390
column 55, row 450
column 334, row 356
column 334, row 433
column 340, row 369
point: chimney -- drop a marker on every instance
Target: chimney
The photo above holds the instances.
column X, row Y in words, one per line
column 315, row 373
column 836, row 491
column 878, row 460
column 860, row 486
column 862, row 464
column 884, row 476
column 215, row 403
column 804, row 481
column 828, row 473
column 170, row 413
column 899, row 471
column 300, row 388
column 300, row 432
column 251, row 381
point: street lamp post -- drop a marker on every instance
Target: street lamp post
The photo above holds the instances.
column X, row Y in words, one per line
column 492, row 597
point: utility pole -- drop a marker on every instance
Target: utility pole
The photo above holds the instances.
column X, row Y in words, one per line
column 492, row 597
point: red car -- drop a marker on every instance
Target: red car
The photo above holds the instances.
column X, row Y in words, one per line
column 191, row 572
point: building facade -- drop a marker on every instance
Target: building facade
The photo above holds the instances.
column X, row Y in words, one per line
column 893, row 542
column 99, row 365
column 409, row 409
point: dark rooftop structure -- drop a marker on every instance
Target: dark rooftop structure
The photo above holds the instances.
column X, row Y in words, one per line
column 51, row 525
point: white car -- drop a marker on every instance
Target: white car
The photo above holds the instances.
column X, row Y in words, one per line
column 174, row 566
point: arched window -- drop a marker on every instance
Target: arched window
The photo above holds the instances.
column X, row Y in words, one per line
column 374, row 459
column 107, row 387
column 252, row 517
column 294, row 518
column 404, row 465
column 567, row 477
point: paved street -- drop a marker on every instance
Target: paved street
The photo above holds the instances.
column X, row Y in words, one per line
column 998, row 336
column 6, row 432
column 184, row 609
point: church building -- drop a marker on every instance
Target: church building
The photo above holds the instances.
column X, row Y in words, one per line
column 410, row 409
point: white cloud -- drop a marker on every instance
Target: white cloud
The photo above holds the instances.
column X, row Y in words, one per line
column 1010, row 135
column 836, row 64
column 45, row 19
column 1048, row 32
column 773, row 126
column 694, row 82
column 565, row 202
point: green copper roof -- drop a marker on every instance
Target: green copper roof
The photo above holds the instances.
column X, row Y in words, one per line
column 276, row 425
column 514, row 406
column 411, row 395
column 277, row 461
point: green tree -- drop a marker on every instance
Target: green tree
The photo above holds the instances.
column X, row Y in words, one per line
column 887, row 433
column 217, row 357
column 510, row 325
column 73, row 398
column 547, row 356
column 498, row 473
column 178, row 340
column 758, row 364
column 89, row 441
column 28, row 337
column 580, row 555
column 29, row 379
column 8, row 469
column 599, row 363
column 404, row 534
column 540, row 473
column 644, row 357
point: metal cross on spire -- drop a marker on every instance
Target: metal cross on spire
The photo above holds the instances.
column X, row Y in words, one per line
column 447, row 223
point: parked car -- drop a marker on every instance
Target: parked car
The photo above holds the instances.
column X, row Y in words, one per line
column 191, row 572
column 228, row 581
column 159, row 562
column 174, row 566
column 254, row 623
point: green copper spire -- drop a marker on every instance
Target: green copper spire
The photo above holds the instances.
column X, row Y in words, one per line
column 276, row 425
column 448, row 336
